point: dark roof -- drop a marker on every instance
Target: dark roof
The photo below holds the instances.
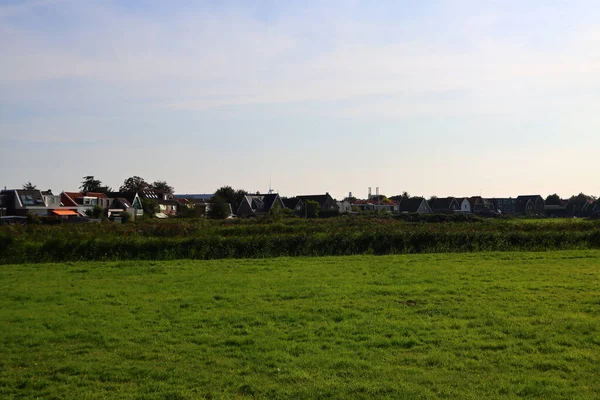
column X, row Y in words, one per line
column 150, row 194
column 532, row 197
column 291, row 202
column 523, row 200
column 269, row 200
column 475, row 199
column 319, row 198
column 200, row 196
column 129, row 196
column 441, row 203
column 411, row 204
column 168, row 202
column 120, row 201
column 31, row 198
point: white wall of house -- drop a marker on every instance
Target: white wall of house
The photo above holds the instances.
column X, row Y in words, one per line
column 344, row 206
column 465, row 206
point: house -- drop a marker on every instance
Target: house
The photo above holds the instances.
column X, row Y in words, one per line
column 374, row 204
column 344, row 206
column 120, row 206
column 253, row 205
column 477, row 204
column 84, row 203
column 580, row 206
column 530, row 205
column 22, row 202
column 3, row 204
column 168, row 207
column 465, row 205
column 415, row 205
column 505, row 206
column 555, row 210
column 132, row 200
column 446, row 205
column 326, row 202
column 295, row 204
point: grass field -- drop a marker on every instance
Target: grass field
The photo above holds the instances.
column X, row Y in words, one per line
column 475, row 325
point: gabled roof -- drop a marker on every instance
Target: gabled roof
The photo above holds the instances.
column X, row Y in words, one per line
column 121, row 202
column 411, row 204
column 30, row 198
column 319, row 198
column 95, row 194
column 291, row 202
column 68, row 199
column 523, row 200
column 129, row 196
column 442, row 203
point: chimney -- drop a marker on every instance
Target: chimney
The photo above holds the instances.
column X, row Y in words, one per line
column 349, row 194
column 369, row 192
column 377, row 190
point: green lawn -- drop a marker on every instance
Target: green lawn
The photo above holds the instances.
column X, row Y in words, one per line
column 477, row 325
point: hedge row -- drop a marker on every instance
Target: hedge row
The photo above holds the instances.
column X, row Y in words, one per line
column 59, row 249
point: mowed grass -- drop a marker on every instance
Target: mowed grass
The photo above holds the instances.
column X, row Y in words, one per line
column 485, row 325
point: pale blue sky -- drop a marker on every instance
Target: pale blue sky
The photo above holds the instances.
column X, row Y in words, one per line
column 447, row 97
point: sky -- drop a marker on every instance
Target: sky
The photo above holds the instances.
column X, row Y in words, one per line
column 433, row 97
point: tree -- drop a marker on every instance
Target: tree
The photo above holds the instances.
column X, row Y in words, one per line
column 312, row 209
column 400, row 197
column 90, row 184
column 29, row 186
column 231, row 196
column 150, row 207
column 219, row 209
column 553, row 200
column 134, row 184
column 162, row 186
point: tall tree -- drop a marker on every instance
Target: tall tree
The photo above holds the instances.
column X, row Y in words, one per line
column 400, row 197
column 162, row 186
column 90, row 184
column 134, row 184
column 231, row 196
column 219, row 209
column 29, row 186
column 553, row 200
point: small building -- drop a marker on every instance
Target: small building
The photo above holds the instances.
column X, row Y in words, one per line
column 444, row 205
column 20, row 202
column 465, row 205
column 326, row 202
column 254, row 205
column 504, row 205
column 415, row 205
column 295, row 204
column 530, row 205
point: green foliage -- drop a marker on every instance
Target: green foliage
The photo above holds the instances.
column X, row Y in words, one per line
column 125, row 217
column 97, row 211
column 231, row 196
column 90, row 184
column 153, row 239
column 311, row 209
column 33, row 219
column 150, row 207
column 162, row 186
column 219, row 209
column 454, row 326
column 553, row 200
column 134, row 184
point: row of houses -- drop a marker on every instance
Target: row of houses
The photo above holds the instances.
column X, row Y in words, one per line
column 525, row 205
column 74, row 205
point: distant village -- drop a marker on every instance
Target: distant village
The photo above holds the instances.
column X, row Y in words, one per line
column 137, row 199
